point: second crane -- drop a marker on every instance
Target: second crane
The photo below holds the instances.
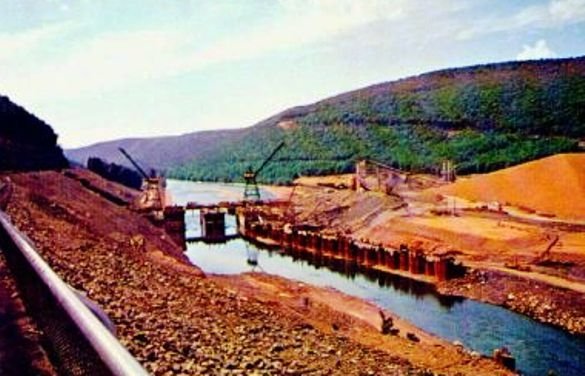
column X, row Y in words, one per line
column 251, row 191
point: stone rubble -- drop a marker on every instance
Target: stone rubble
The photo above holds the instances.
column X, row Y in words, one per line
column 558, row 307
column 174, row 321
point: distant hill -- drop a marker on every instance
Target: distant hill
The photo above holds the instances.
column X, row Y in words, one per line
column 160, row 153
column 482, row 117
column 26, row 142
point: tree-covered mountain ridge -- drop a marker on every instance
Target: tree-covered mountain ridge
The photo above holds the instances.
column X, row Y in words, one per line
column 27, row 143
column 482, row 117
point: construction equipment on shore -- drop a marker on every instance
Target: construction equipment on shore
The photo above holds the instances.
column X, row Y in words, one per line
column 152, row 199
column 447, row 171
column 251, row 191
column 387, row 178
column 545, row 257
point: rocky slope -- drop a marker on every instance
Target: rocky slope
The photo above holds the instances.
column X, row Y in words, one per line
column 175, row 321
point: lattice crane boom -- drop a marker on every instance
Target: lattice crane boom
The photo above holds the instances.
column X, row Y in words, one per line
column 269, row 158
column 251, row 191
column 134, row 163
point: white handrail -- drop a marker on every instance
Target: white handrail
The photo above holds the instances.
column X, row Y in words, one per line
column 115, row 356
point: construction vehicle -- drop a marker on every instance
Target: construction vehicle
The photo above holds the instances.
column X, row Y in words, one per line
column 545, row 258
column 152, row 199
column 251, row 191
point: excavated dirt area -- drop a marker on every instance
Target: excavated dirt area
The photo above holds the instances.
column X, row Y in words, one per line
column 530, row 261
column 551, row 186
column 176, row 321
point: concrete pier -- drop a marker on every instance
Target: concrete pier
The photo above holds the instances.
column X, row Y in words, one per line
column 212, row 224
column 174, row 224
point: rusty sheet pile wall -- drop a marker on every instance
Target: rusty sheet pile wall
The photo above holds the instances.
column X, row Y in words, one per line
column 313, row 240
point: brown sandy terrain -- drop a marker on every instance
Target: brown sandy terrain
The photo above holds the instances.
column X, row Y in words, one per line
column 524, row 249
column 551, row 186
column 535, row 286
column 324, row 181
column 176, row 321
column 471, row 235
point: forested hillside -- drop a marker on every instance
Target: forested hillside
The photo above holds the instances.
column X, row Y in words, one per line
column 482, row 117
column 26, row 142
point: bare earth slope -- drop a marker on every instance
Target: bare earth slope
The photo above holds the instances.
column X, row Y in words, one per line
column 552, row 186
column 178, row 322
column 530, row 264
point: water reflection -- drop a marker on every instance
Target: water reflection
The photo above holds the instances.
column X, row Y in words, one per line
column 482, row 327
column 351, row 269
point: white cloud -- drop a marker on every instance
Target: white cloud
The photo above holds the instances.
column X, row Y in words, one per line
column 108, row 61
column 540, row 50
column 303, row 22
column 309, row 22
column 567, row 10
column 15, row 46
column 555, row 13
column 337, row 15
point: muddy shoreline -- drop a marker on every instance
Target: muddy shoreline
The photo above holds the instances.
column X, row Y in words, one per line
column 485, row 281
column 561, row 308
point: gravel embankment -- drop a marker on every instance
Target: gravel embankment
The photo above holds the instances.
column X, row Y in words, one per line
column 172, row 319
column 551, row 305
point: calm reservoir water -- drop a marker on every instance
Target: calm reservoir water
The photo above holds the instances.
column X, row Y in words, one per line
column 481, row 327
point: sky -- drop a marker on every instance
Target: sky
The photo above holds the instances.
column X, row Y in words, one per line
column 99, row 70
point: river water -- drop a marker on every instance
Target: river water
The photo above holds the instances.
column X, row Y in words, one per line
column 481, row 327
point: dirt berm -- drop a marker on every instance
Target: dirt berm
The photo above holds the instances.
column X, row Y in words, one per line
column 553, row 186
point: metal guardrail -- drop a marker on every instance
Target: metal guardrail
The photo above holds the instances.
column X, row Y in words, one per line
column 77, row 342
